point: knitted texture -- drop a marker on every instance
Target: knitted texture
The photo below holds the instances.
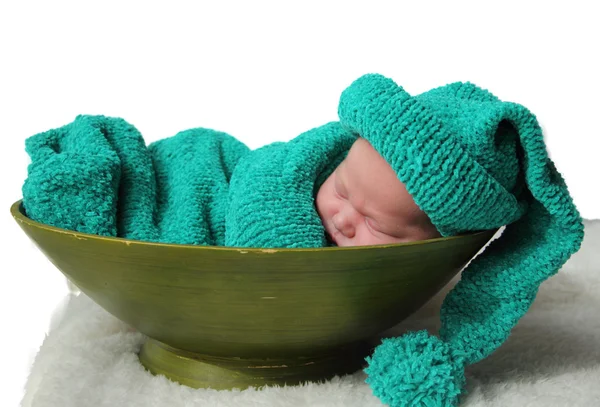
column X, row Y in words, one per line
column 273, row 190
column 202, row 187
column 420, row 366
column 471, row 162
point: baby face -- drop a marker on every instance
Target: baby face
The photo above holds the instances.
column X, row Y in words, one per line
column 364, row 203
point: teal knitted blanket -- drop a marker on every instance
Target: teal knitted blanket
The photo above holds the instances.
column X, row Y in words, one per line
column 202, row 187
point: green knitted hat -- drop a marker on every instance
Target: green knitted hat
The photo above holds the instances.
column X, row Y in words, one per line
column 471, row 162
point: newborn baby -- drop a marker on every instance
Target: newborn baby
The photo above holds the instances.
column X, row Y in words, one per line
column 204, row 187
column 364, row 203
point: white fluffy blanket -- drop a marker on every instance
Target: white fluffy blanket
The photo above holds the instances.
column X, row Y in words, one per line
column 551, row 359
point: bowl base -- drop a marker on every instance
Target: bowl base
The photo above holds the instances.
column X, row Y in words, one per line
column 226, row 373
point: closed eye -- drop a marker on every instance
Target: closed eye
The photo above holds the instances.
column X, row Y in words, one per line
column 339, row 190
column 370, row 226
column 339, row 194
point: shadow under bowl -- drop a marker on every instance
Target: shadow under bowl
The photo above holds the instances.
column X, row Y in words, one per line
column 223, row 318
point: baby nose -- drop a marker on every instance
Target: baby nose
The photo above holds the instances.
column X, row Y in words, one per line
column 343, row 221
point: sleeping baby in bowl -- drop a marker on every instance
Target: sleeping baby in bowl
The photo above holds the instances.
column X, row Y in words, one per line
column 327, row 187
column 394, row 168
column 247, row 199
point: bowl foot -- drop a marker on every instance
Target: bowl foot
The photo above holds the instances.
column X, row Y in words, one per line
column 226, row 373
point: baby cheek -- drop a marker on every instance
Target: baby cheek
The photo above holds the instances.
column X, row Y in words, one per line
column 332, row 206
column 325, row 203
column 329, row 197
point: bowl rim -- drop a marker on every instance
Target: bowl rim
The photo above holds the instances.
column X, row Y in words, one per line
column 16, row 210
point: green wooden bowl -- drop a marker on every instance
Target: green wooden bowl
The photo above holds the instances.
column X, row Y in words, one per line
column 236, row 317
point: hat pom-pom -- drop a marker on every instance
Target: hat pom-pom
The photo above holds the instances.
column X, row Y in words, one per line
column 416, row 369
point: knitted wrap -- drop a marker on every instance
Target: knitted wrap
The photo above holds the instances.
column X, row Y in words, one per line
column 471, row 162
column 202, row 187
column 273, row 190
column 96, row 175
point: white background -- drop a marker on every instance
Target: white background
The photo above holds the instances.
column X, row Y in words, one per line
column 265, row 72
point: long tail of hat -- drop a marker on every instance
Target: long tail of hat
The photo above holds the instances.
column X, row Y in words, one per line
column 499, row 286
